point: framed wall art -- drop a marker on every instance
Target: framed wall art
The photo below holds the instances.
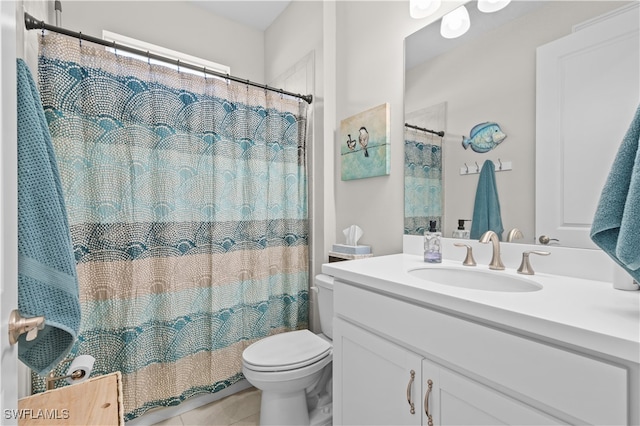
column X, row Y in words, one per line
column 364, row 143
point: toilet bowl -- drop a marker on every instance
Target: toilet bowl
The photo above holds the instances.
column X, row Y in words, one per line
column 293, row 369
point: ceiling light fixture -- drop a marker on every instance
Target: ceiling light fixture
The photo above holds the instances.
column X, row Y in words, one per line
column 489, row 6
column 455, row 23
column 419, row 9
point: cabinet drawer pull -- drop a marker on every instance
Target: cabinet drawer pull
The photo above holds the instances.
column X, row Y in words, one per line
column 412, row 406
column 426, row 402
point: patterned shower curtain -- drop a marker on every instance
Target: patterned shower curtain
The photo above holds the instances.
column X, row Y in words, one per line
column 422, row 181
column 187, row 201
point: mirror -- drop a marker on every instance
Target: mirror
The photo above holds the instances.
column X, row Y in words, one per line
column 486, row 75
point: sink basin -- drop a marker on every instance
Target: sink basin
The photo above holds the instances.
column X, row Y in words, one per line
column 476, row 279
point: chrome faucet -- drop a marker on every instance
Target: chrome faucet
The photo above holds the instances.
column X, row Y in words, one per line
column 513, row 234
column 496, row 262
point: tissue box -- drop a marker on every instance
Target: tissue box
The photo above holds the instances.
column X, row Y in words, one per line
column 343, row 248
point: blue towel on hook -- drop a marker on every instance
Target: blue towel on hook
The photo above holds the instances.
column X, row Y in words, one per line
column 616, row 224
column 47, row 278
column 486, row 210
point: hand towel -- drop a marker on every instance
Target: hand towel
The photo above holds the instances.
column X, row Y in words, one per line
column 486, row 210
column 47, row 278
column 616, row 224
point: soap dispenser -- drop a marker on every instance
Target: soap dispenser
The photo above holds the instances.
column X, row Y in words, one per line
column 432, row 244
column 461, row 232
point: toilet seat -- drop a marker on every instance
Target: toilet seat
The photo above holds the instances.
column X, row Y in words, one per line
column 286, row 351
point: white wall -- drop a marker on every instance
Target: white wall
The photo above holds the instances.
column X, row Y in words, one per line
column 295, row 33
column 176, row 25
column 284, row 68
column 286, row 50
column 370, row 72
column 492, row 78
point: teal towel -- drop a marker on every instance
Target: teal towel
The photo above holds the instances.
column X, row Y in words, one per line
column 486, row 210
column 47, row 278
column 616, row 224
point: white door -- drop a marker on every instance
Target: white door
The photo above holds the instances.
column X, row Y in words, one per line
column 8, row 210
column 375, row 381
column 588, row 89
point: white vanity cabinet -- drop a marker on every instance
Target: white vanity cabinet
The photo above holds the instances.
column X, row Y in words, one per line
column 382, row 383
column 481, row 374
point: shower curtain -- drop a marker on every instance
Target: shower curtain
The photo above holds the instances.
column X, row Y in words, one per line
column 422, row 181
column 187, row 202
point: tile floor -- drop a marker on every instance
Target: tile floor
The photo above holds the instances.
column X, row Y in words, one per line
column 240, row 409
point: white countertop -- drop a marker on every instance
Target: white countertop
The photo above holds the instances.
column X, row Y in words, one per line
column 572, row 312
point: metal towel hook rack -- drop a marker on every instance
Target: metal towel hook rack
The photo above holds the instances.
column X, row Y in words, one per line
column 500, row 166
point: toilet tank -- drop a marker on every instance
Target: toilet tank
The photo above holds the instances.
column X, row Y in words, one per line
column 324, row 284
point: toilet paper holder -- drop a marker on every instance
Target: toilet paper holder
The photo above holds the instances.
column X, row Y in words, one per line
column 78, row 373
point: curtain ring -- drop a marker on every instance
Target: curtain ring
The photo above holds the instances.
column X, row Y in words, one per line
column 227, row 79
column 204, row 72
column 80, row 37
column 115, row 48
column 148, row 58
column 42, row 32
column 178, row 65
column 281, row 94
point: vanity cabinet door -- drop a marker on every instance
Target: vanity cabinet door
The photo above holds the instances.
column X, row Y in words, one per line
column 457, row 400
column 375, row 381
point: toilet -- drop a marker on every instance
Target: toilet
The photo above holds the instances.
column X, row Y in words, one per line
column 293, row 369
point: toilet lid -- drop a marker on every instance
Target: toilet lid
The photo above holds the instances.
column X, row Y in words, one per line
column 286, row 351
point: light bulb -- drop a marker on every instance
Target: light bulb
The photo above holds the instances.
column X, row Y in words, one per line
column 419, row 9
column 455, row 23
column 489, row 6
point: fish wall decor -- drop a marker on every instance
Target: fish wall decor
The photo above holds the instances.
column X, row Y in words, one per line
column 484, row 137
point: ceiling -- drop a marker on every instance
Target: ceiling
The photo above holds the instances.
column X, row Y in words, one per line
column 257, row 14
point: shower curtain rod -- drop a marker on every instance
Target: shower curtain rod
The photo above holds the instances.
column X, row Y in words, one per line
column 32, row 23
column 440, row 133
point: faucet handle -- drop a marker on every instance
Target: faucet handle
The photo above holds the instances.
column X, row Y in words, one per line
column 525, row 267
column 468, row 260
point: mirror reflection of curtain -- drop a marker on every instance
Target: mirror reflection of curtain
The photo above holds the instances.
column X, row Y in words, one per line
column 187, row 202
column 422, row 181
